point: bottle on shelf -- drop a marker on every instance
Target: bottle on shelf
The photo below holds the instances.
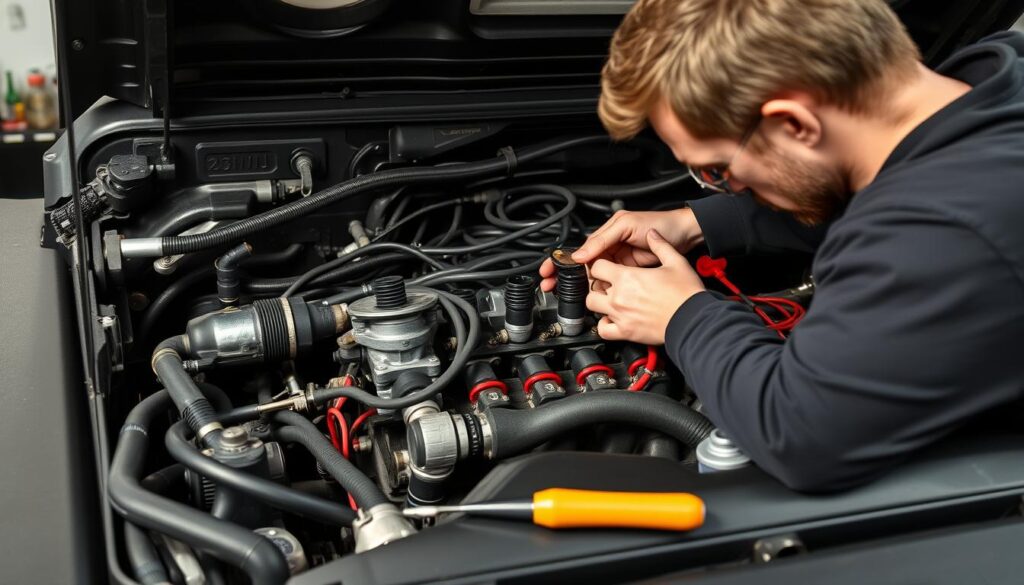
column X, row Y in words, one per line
column 10, row 98
column 40, row 107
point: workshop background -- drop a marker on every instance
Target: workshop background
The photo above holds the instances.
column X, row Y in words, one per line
column 28, row 95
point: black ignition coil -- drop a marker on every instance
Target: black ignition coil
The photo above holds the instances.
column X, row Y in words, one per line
column 540, row 383
column 571, row 290
column 591, row 372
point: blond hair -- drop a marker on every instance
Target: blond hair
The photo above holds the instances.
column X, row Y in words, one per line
column 718, row 61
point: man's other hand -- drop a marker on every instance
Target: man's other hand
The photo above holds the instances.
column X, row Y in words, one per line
column 637, row 302
column 623, row 240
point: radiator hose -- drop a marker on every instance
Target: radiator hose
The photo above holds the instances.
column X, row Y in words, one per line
column 503, row 432
column 255, row 555
column 517, row 431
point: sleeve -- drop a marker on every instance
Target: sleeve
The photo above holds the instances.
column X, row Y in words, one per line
column 739, row 225
column 912, row 332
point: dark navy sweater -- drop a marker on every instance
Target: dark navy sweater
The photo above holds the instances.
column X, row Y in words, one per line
column 917, row 322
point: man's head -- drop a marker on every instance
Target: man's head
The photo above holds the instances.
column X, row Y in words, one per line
column 755, row 85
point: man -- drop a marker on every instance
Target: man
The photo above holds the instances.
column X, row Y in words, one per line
column 816, row 108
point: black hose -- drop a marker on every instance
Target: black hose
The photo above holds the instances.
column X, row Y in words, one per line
column 188, row 399
column 570, row 204
column 299, row 430
column 505, row 163
column 142, row 554
column 468, row 342
column 160, row 304
column 517, row 431
column 265, row 490
column 250, row 552
column 609, row 192
column 276, row 285
column 229, row 279
column 357, row 253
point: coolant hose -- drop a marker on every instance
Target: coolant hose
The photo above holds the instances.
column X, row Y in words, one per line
column 517, row 431
column 299, row 430
column 255, row 555
column 273, row 493
column 505, row 163
column 190, row 402
column 142, row 555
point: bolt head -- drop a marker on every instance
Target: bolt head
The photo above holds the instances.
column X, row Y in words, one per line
column 78, row 44
column 493, row 396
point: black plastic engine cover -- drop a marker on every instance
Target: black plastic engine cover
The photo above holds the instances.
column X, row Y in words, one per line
column 967, row 479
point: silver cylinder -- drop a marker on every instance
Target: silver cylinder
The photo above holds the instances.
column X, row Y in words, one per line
column 718, row 453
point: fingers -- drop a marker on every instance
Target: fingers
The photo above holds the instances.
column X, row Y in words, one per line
column 598, row 302
column 605, row 270
column 606, row 236
column 547, row 268
column 608, row 330
column 666, row 252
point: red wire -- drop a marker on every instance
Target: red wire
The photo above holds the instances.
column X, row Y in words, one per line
column 649, row 366
column 791, row 311
column 528, row 384
column 582, row 376
column 476, row 390
column 633, row 366
column 360, row 420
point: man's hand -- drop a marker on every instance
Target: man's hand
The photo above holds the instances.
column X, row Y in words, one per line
column 623, row 240
column 637, row 303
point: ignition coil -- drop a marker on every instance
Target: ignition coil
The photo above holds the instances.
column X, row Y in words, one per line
column 591, row 373
column 571, row 290
column 520, row 291
column 540, row 383
column 270, row 330
column 485, row 389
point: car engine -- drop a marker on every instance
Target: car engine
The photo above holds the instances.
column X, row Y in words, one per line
column 334, row 353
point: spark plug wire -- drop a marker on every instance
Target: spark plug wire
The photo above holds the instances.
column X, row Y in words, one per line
column 791, row 311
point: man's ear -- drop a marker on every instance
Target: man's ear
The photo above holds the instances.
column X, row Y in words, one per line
column 793, row 119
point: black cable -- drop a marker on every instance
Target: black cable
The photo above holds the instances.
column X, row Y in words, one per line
column 181, row 450
column 610, row 192
column 276, row 285
column 421, row 211
column 504, row 163
column 353, row 163
column 570, row 204
column 481, row 275
column 357, row 253
column 253, row 554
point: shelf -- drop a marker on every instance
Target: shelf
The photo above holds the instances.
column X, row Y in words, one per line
column 28, row 136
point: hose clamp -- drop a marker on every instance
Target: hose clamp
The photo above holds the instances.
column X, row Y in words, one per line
column 207, row 429
column 161, row 353
column 488, row 436
column 289, row 320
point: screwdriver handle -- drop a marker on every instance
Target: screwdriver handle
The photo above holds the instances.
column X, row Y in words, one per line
column 568, row 508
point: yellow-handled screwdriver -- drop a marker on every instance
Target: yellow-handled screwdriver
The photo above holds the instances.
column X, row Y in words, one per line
column 568, row 508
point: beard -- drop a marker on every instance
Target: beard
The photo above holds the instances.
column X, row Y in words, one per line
column 818, row 193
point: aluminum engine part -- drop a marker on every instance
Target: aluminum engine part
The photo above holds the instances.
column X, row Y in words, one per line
column 397, row 339
column 380, row 525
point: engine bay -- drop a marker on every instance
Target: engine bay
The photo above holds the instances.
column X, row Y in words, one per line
column 361, row 330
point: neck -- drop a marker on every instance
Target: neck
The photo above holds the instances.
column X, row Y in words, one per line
column 870, row 140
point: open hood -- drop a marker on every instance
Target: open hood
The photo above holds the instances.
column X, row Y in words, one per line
column 234, row 57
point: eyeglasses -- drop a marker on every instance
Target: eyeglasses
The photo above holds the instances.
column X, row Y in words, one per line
column 715, row 178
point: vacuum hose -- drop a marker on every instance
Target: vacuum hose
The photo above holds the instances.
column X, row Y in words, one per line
column 255, row 555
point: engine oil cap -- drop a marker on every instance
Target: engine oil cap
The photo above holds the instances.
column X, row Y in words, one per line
column 562, row 258
column 718, row 453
